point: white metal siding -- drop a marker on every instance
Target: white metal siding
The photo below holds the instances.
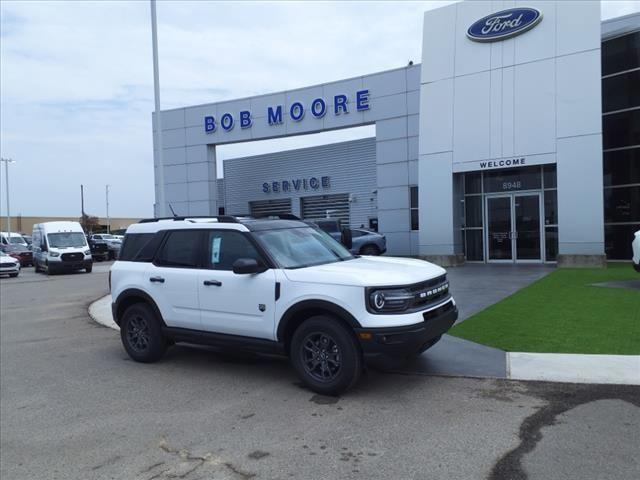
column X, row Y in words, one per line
column 262, row 208
column 324, row 206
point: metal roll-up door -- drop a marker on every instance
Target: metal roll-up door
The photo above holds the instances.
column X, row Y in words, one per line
column 323, row 206
column 264, row 208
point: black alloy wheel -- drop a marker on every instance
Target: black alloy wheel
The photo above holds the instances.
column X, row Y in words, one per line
column 326, row 355
column 138, row 335
column 321, row 356
column 141, row 334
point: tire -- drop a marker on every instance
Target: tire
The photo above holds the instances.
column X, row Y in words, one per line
column 88, row 269
column 369, row 250
column 343, row 362
column 36, row 267
column 141, row 334
column 48, row 269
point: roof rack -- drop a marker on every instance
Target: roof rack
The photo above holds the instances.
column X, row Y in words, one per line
column 218, row 218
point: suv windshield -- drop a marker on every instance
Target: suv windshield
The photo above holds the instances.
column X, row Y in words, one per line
column 302, row 247
column 66, row 239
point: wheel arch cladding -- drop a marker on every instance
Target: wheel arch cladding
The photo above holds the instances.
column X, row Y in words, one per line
column 131, row 297
column 298, row 313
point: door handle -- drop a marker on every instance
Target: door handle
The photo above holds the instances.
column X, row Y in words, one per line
column 156, row 279
column 215, row 283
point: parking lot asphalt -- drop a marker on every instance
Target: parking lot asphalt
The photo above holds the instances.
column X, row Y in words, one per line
column 72, row 405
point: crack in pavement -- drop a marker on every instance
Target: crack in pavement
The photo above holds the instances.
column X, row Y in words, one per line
column 560, row 398
column 198, row 460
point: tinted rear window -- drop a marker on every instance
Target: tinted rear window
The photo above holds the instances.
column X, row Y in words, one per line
column 133, row 247
column 181, row 249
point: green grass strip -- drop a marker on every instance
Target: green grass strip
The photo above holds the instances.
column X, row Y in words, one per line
column 563, row 313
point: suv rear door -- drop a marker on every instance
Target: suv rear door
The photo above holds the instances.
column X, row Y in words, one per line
column 172, row 278
column 237, row 304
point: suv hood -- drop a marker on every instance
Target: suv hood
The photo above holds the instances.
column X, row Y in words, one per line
column 368, row 272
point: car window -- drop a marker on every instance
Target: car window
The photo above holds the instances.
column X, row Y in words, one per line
column 328, row 227
column 302, row 247
column 133, row 245
column 181, row 249
column 66, row 240
column 225, row 247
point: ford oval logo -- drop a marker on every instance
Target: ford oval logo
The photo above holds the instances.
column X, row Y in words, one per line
column 504, row 24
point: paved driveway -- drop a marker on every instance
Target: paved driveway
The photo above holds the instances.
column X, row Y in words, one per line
column 475, row 287
column 73, row 406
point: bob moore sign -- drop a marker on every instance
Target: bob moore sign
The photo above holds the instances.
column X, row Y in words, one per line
column 504, row 24
column 317, row 109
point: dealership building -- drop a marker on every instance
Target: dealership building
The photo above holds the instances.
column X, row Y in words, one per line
column 517, row 139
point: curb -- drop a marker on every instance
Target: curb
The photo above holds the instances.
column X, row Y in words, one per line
column 100, row 312
column 574, row 368
column 547, row 367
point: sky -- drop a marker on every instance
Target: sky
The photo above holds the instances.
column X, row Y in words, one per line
column 76, row 82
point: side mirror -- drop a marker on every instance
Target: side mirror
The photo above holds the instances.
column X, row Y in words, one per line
column 43, row 248
column 345, row 238
column 247, row 265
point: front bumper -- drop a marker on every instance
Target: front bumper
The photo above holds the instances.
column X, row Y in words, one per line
column 66, row 265
column 9, row 270
column 390, row 345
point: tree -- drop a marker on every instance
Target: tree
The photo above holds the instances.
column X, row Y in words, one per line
column 89, row 223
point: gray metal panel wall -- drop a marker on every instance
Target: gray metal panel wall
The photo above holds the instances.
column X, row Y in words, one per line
column 350, row 166
column 220, row 192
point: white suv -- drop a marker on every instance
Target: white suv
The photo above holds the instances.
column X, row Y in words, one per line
column 277, row 287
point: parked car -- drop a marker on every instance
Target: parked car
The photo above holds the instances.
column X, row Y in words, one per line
column 113, row 243
column 27, row 238
column 20, row 253
column 635, row 246
column 7, row 238
column 9, row 265
column 366, row 242
column 335, row 228
column 99, row 249
column 60, row 246
column 278, row 287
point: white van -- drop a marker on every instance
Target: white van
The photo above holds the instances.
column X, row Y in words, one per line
column 13, row 239
column 60, row 246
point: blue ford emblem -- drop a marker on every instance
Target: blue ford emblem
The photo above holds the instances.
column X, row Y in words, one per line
column 504, row 24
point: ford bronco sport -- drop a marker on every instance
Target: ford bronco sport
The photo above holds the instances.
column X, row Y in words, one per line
column 277, row 287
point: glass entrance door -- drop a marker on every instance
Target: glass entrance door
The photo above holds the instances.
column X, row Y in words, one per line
column 499, row 244
column 513, row 228
column 527, row 222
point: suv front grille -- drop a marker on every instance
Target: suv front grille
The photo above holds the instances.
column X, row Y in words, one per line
column 428, row 293
column 436, row 312
column 72, row 257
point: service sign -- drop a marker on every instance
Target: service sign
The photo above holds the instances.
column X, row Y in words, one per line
column 504, row 24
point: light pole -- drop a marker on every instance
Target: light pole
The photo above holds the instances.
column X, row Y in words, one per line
column 108, row 219
column 7, row 161
column 156, row 90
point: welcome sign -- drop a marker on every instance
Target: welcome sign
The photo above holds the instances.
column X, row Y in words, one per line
column 504, row 24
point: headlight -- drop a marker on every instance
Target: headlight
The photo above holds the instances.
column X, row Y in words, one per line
column 389, row 300
column 87, row 252
column 54, row 254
